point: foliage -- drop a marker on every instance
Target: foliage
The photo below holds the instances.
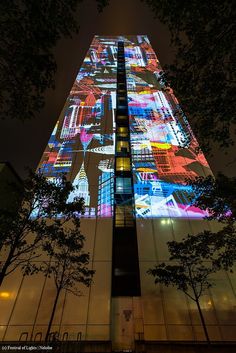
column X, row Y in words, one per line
column 29, row 32
column 216, row 195
column 68, row 264
column 46, row 223
column 189, row 273
column 203, row 72
column 223, row 245
column 196, row 257
column 101, row 4
column 22, row 232
column 188, row 268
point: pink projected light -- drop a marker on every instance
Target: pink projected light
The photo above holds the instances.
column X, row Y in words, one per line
column 163, row 145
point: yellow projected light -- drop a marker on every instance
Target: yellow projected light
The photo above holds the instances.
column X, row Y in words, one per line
column 146, row 170
column 163, row 146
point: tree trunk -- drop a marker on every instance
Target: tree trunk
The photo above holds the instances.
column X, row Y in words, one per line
column 203, row 321
column 52, row 314
column 6, row 265
column 2, row 275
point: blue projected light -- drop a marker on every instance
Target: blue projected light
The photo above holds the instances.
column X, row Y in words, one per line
column 162, row 145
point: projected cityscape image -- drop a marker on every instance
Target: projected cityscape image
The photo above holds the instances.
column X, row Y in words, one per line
column 162, row 143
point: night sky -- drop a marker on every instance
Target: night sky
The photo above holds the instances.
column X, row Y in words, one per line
column 22, row 144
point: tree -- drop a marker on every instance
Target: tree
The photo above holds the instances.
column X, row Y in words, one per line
column 216, row 195
column 29, row 32
column 190, row 269
column 223, row 245
column 23, row 232
column 203, row 72
column 68, row 264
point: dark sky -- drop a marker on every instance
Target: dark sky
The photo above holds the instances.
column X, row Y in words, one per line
column 23, row 144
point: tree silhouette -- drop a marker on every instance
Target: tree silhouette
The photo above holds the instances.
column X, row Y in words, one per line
column 203, row 72
column 23, row 232
column 216, row 195
column 196, row 257
column 189, row 269
column 68, row 264
column 29, row 32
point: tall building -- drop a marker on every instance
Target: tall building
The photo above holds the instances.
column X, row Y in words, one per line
column 124, row 142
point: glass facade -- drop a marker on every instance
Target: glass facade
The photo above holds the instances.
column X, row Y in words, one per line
column 92, row 144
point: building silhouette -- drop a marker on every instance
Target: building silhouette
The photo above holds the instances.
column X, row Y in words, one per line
column 124, row 142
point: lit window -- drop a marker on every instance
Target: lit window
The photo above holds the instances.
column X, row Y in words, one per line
column 123, row 185
column 122, row 146
column 122, row 117
column 121, row 91
column 122, row 106
column 122, row 131
column 124, row 216
column 123, row 164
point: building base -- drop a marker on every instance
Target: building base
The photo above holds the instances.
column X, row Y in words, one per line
column 184, row 347
column 106, row 347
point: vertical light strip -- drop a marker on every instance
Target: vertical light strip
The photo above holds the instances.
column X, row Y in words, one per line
column 125, row 268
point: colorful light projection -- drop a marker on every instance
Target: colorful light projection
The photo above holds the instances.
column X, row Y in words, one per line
column 82, row 142
column 163, row 146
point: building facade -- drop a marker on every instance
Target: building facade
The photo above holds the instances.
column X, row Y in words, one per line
column 124, row 142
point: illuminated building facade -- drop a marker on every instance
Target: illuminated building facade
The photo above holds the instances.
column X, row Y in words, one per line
column 124, row 142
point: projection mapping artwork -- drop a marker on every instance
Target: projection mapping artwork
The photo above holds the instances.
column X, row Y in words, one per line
column 163, row 146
